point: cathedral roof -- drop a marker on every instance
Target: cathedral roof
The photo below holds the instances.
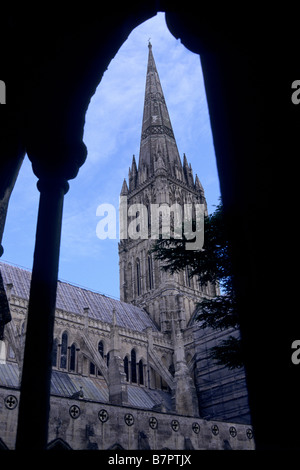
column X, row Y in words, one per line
column 64, row 384
column 74, row 299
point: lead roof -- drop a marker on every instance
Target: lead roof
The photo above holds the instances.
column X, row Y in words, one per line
column 74, row 299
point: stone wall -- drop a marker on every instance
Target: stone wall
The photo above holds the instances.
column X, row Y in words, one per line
column 82, row 425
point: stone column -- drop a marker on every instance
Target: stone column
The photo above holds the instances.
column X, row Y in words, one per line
column 184, row 395
column 117, row 384
column 34, row 407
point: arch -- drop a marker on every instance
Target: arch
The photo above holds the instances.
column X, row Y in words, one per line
column 116, row 446
column 186, row 24
column 58, row 444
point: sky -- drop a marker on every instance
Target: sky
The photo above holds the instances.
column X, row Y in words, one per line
column 112, row 136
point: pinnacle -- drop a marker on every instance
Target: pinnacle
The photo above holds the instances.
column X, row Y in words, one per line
column 133, row 165
column 124, row 189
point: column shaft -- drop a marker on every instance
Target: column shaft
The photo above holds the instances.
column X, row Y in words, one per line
column 34, row 407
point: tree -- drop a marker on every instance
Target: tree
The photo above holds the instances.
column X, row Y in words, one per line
column 211, row 264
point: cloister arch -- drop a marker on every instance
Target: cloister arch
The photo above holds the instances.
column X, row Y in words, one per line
column 254, row 125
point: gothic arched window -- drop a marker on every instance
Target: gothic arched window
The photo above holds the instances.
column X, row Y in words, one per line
column 73, row 358
column 101, row 348
column 92, row 368
column 141, row 372
column 126, row 368
column 133, row 366
column 64, row 350
column 138, row 277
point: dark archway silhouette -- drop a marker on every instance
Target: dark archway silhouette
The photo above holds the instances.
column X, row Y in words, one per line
column 51, row 68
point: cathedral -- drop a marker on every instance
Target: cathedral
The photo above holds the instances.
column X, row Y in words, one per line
column 135, row 373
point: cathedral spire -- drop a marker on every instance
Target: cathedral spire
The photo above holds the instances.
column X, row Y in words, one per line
column 156, row 184
column 158, row 147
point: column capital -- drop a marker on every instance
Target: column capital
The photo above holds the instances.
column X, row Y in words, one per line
column 61, row 161
column 52, row 183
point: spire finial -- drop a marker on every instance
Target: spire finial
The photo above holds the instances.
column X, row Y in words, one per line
column 149, row 43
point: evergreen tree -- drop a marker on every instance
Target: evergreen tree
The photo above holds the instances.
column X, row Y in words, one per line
column 210, row 264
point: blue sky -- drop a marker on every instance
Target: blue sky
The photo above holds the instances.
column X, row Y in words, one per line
column 112, row 135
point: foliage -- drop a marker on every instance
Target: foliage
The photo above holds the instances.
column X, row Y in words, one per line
column 211, row 264
column 228, row 353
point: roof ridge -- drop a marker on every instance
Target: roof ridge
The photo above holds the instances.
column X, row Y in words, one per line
column 74, row 298
column 64, row 281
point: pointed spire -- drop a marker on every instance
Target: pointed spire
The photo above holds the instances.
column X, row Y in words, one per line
column 133, row 165
column 156, row 127
column 133, row 172
column 198, row 185
column 191, row 177
column 185, row 162
column 186, row 170
column 124, row 190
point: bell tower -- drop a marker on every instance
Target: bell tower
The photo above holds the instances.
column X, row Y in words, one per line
column 158, row 184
